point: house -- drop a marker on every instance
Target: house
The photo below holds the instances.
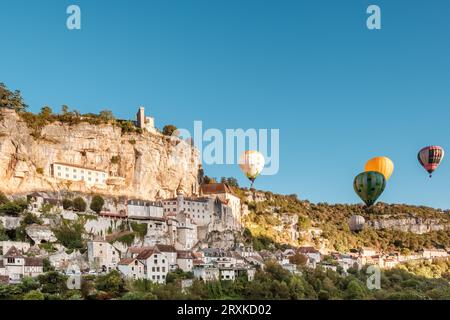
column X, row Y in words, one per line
column 102, row 255
column 39, row 202
column 156, row 264
column 132, row 268
column 171, row 253
column 227, row 274
column 433, row 253
column 76, row 173
column 16, row 266
column 144, row 210
column 206, row 272
column 367, row 252
column 19, row 245
column 228, row 197
column 182, row 231
column 313, row 255
column 185, row 260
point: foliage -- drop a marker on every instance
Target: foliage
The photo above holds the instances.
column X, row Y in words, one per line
column 169, row 130
column 139, row 228
column 13, row 208
column 3, row 198
column 30, row 218
column 232, row 182
column 111, row 283
column 97, row 203
column 67, row 204
column 115, row 159
column 53, row 282
column 33, row 295
column 79, row 204
column 10, row 99
column 70, row 235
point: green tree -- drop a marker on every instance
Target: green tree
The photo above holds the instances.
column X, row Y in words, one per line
column 355, row 290
column 53, row 282
column 67, row 204
column 97, row 204
column 169, row 129
column 79, row 204
column 106, row 115
column 111, row 283
column 33, row 295
column 11, row 100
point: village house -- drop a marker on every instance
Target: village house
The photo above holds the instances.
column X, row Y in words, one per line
column 144, row 210
column 156, row 264
column 39, row 202
column 16, row 266
column 185, row 260
column 433, row 253
column 313, row 255
column 233, row 220
column 19, row 245
column 144, row 122
column 102, row 255
column 182, row 232
column 206, row 272
column 132, row 268
column 76, row 173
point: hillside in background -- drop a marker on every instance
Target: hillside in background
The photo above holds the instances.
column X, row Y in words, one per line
column 389, row 227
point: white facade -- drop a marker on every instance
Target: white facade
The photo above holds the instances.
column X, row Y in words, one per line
column 102, row 255
column 156, row 265
column 132, row 268
column 140, row 209
column 91, row 177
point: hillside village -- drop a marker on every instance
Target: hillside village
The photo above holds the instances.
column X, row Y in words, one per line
column 71, row 219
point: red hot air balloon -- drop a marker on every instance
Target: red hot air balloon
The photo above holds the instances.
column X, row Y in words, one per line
column 430, row 158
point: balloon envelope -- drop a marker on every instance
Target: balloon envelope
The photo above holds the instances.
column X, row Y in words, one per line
column 369, row 186
column 383, row 165
column 356, row 223
column 252, row 163
column 430, row 158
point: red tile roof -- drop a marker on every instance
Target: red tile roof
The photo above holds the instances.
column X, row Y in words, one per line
column 215, row 188
column 147, row 253
column 13, row 253
column 126, row 261
column 34, row 262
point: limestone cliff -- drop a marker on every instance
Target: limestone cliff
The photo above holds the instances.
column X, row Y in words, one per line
column 147, row 165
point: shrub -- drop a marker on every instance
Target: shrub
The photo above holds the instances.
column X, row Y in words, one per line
column 14, row 208
column 67, row 204
column 40, row 171
column 111, row 283
column 97, row 204
column 70, row 235
column 3, row 198
column 115, row 159
column 169, row 129
column 33, row 295
column 79, row 204
column 132, row 141
column 140, row 228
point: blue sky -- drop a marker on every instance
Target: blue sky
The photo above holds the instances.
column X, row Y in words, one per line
column 339, row 93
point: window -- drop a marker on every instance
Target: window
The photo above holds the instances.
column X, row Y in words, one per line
column 157, row 269
column 163, row 269
column 11, row 260
column 132, row 268
column 155, row 261
column 163, row 261
column 153, row 269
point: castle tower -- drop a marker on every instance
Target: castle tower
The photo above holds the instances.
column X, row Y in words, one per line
column 143, row 122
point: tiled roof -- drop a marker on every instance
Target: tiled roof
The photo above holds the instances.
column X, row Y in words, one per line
column 4, row 279
column 308, row 250
column 126, row 261
column 215, row 188
column 147, row 253
column 166, row 248
column 34, row 262
column 13, row 253
column 184, row 255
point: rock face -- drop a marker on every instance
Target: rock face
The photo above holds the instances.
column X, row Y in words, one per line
column 414, row 225
column 146, row 166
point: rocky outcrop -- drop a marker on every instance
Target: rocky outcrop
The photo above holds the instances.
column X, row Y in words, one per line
column 414, row 225
column 147, row 165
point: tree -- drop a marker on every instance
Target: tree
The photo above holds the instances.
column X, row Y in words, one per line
column 53, row 282
column 97, row 204
column 79, row 204
column 67, row 204
column 11, row 100
column 110, row 283
column 106, row 115
column 169, row 129
column 355, row 290
column 298, row 259
column 14, row 208
column 3, row 198
column 46, row 112
column 33, row 295
column 70, row 235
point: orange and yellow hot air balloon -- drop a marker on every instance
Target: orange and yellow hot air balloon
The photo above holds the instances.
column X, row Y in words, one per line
column 383, row 165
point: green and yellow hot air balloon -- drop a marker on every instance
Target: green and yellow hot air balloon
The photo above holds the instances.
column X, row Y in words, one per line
column 369, row 186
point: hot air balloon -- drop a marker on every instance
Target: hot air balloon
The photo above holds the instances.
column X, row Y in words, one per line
column 252, row 163
column 369, row 186
column 383, row 165
column 356, row 223
column 430, row 158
